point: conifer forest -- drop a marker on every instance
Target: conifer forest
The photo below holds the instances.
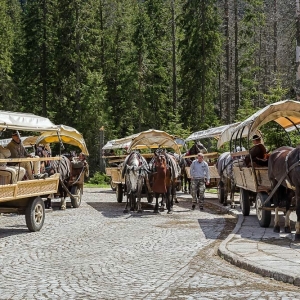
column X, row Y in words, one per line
column 130, row 65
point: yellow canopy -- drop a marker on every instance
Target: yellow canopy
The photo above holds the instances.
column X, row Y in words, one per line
column 286, row 113
column 68, row 135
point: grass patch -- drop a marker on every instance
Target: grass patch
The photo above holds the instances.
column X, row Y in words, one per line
column 94, row 185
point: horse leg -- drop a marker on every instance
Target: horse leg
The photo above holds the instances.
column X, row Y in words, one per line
column 168, row 198
column 162, row 203
column 132, row 202
column 125, row 211
column 287, row 223
column 156, row 203
column 174, row 195
column 139, row 193
column 63, row 204
column 297, row 234
column 276, row 221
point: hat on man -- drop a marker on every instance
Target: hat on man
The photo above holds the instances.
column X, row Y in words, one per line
column 14, row 133
column 256, row 137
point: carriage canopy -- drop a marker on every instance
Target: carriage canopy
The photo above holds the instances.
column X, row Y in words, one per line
column 67, row 135
column 209, row 133
column 154, row 139
column 150, row 139
column 286, row 113
column 25, row 122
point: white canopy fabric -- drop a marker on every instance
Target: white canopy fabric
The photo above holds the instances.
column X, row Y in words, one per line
column 286, row 113
column 68, row 135
column 210, row 133
column 113, row 144
column 154, row 139
column 25, row 122
column 145, row 140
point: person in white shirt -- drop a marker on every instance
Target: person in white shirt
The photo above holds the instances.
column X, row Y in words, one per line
column 199, row 177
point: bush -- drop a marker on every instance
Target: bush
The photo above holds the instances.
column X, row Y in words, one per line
column 99, row 178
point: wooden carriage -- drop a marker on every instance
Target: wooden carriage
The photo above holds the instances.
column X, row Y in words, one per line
column 253, row 181
column 143, row 141
column 25, row 197
column 79, row 170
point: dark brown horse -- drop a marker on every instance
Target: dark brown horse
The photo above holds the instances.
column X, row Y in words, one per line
column 159, row 179
column 284, row 169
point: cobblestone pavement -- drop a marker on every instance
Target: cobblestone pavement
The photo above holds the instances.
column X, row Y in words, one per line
column 97, row 252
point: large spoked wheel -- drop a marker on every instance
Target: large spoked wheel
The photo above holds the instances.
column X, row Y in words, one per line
column 245, row 202
column 35, row 214
column 119, row 192
column 76, row 191
column 263, row 216
column 221, row 192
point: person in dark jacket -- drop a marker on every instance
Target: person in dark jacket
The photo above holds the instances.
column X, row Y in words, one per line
column 257, row 153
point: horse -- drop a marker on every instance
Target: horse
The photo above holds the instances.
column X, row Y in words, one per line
column 135, row 171
column 284, row 169
column 166, row 171
column 63, row 167
column 186, row 181
column 197, row 148
column 227, row 183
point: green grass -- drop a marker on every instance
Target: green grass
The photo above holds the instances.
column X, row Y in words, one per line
column 93, row 185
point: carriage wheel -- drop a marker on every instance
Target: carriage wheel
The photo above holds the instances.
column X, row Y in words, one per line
column 263, row 216
column 112, row 185
column 35, row 214
column 119, row 192
column 245, row 202
column 221, row 192
column 76, row 191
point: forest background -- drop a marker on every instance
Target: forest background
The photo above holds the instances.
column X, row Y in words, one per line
column 130, row 65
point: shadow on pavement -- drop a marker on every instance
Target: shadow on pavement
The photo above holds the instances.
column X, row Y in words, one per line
column 14, row 230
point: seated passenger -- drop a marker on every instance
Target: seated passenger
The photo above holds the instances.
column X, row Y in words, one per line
column 17, row 150
column 16, row 173
column 81, row 158
column 257, row 153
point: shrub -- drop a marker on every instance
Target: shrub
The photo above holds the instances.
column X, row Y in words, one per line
column 99, row 178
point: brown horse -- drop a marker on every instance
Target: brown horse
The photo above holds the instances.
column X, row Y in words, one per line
column 284, row 169
column 159, row 179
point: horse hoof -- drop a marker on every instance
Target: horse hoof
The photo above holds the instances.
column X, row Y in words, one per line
column 224, row 204
column 276, row 229
column 131, row 209
column 287, row 229
column 140, row 211
column 125, row 211
column 232, row 206
column 62, row 208
column 169, row 212
column 176, row 201
column 161, row 209
column 156, row 211
column 297, row 237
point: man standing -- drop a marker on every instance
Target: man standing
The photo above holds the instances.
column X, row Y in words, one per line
column 17, row 150
column 199, row 177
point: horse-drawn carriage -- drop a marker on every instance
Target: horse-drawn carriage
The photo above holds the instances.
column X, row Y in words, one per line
column 72, row 181
column 261, row 184
column 25, row 197
column 211, row 136
column 145, row 143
